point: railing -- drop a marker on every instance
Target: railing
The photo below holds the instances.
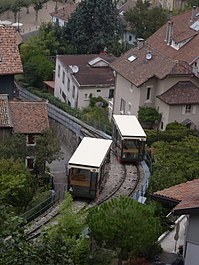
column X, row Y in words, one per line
column 40, row 208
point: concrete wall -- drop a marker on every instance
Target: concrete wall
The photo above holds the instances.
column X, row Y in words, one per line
column 68, row 137
column 192, row 241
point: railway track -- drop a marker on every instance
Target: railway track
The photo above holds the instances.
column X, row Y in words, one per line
column 126, row 179
column 122, row 179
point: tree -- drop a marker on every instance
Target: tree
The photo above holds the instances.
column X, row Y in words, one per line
column 38, row 5
column 148, row 114
column 144, row 20
column 124, row 225
column 89, row 31
column 175, row 162
column 47, row 149
column 16, row 184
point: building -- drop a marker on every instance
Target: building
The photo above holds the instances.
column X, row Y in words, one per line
column 185, row 198
column 165, row 66
column 80, row 77
column 10, row 61
column 29, row 118
column 62, row 15
column 128, row 36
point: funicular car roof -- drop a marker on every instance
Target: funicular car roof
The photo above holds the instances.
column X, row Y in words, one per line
column 129, row 126
column 91, row 152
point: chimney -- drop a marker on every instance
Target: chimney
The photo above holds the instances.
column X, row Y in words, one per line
column 193, row 14
column 170, row 33
column 140, row 43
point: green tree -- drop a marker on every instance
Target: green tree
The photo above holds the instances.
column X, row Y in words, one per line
column 16, row 184
column 124, row 225
column 89, row 31
column 145, row 20
column 47, row 149
column 175, row 162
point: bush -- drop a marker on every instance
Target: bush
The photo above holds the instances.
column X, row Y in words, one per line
column 148, row 114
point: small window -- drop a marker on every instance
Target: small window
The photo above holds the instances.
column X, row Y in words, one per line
column 85, row 96
column 63, row 95
column 69, row 103
column 129, row 108
column 30, row 162
column 57, row 21
column 30, row 140
column 130, row 38
column 111, row 93
column 68, row 86
column 73, row 94
column 148, row 93
column 162, row 126
column 122, row 106
column 63, row 77
column 98, row 90
column 188, row 108
column 58, row 73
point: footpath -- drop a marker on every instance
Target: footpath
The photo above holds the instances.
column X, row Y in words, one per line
column 28, row 19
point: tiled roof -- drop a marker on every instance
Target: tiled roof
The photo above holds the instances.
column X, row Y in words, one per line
column 65, row 12
column 88, row 75
column 141, row 69
column 184, row 92
column 130, row 4
column 181, row 32
column 29, row 116
column 5, row 118
column 10, row 61
column 185, row 194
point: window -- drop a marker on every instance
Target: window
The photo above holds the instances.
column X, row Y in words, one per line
column 73, row 94
column 129, row 108
column 58, row 73
column 98, row 90
column 57, row 21
column 85, row 96
column 63, row 77
column 122, row 106
column 162, row 126
column 111, row 93
column 30, row 140
column 30, row 162
column 148, row 94
column 188, row 108
column 63, row 95
column 68, row 86
column 130, row 38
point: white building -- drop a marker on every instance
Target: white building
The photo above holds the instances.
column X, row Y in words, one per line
column 62, row 15
column 80, row 77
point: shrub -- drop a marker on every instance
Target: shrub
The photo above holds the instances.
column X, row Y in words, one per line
column 148, row 114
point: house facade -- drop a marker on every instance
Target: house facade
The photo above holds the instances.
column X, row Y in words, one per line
column 29, row 118
column 128, row 35
column 185, row 198
column 61, row 16
column 144, row 74
column 80, row 77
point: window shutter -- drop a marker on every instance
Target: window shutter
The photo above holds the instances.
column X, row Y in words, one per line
column 194, row 109
column 183, row 109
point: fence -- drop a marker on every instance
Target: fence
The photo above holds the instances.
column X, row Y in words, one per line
column 40, row 208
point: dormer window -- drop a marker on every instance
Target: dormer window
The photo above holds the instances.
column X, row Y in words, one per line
column 98, row 62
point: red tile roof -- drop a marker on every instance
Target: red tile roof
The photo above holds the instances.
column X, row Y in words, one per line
column 140, row 70
column 29, row 116
column 87, row 75
column 182, row 31
column 185, row 194
column 10, row 61
column 65, row 12
column 184, row 92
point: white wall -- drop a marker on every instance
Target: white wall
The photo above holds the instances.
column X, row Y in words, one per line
column 61, row 22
